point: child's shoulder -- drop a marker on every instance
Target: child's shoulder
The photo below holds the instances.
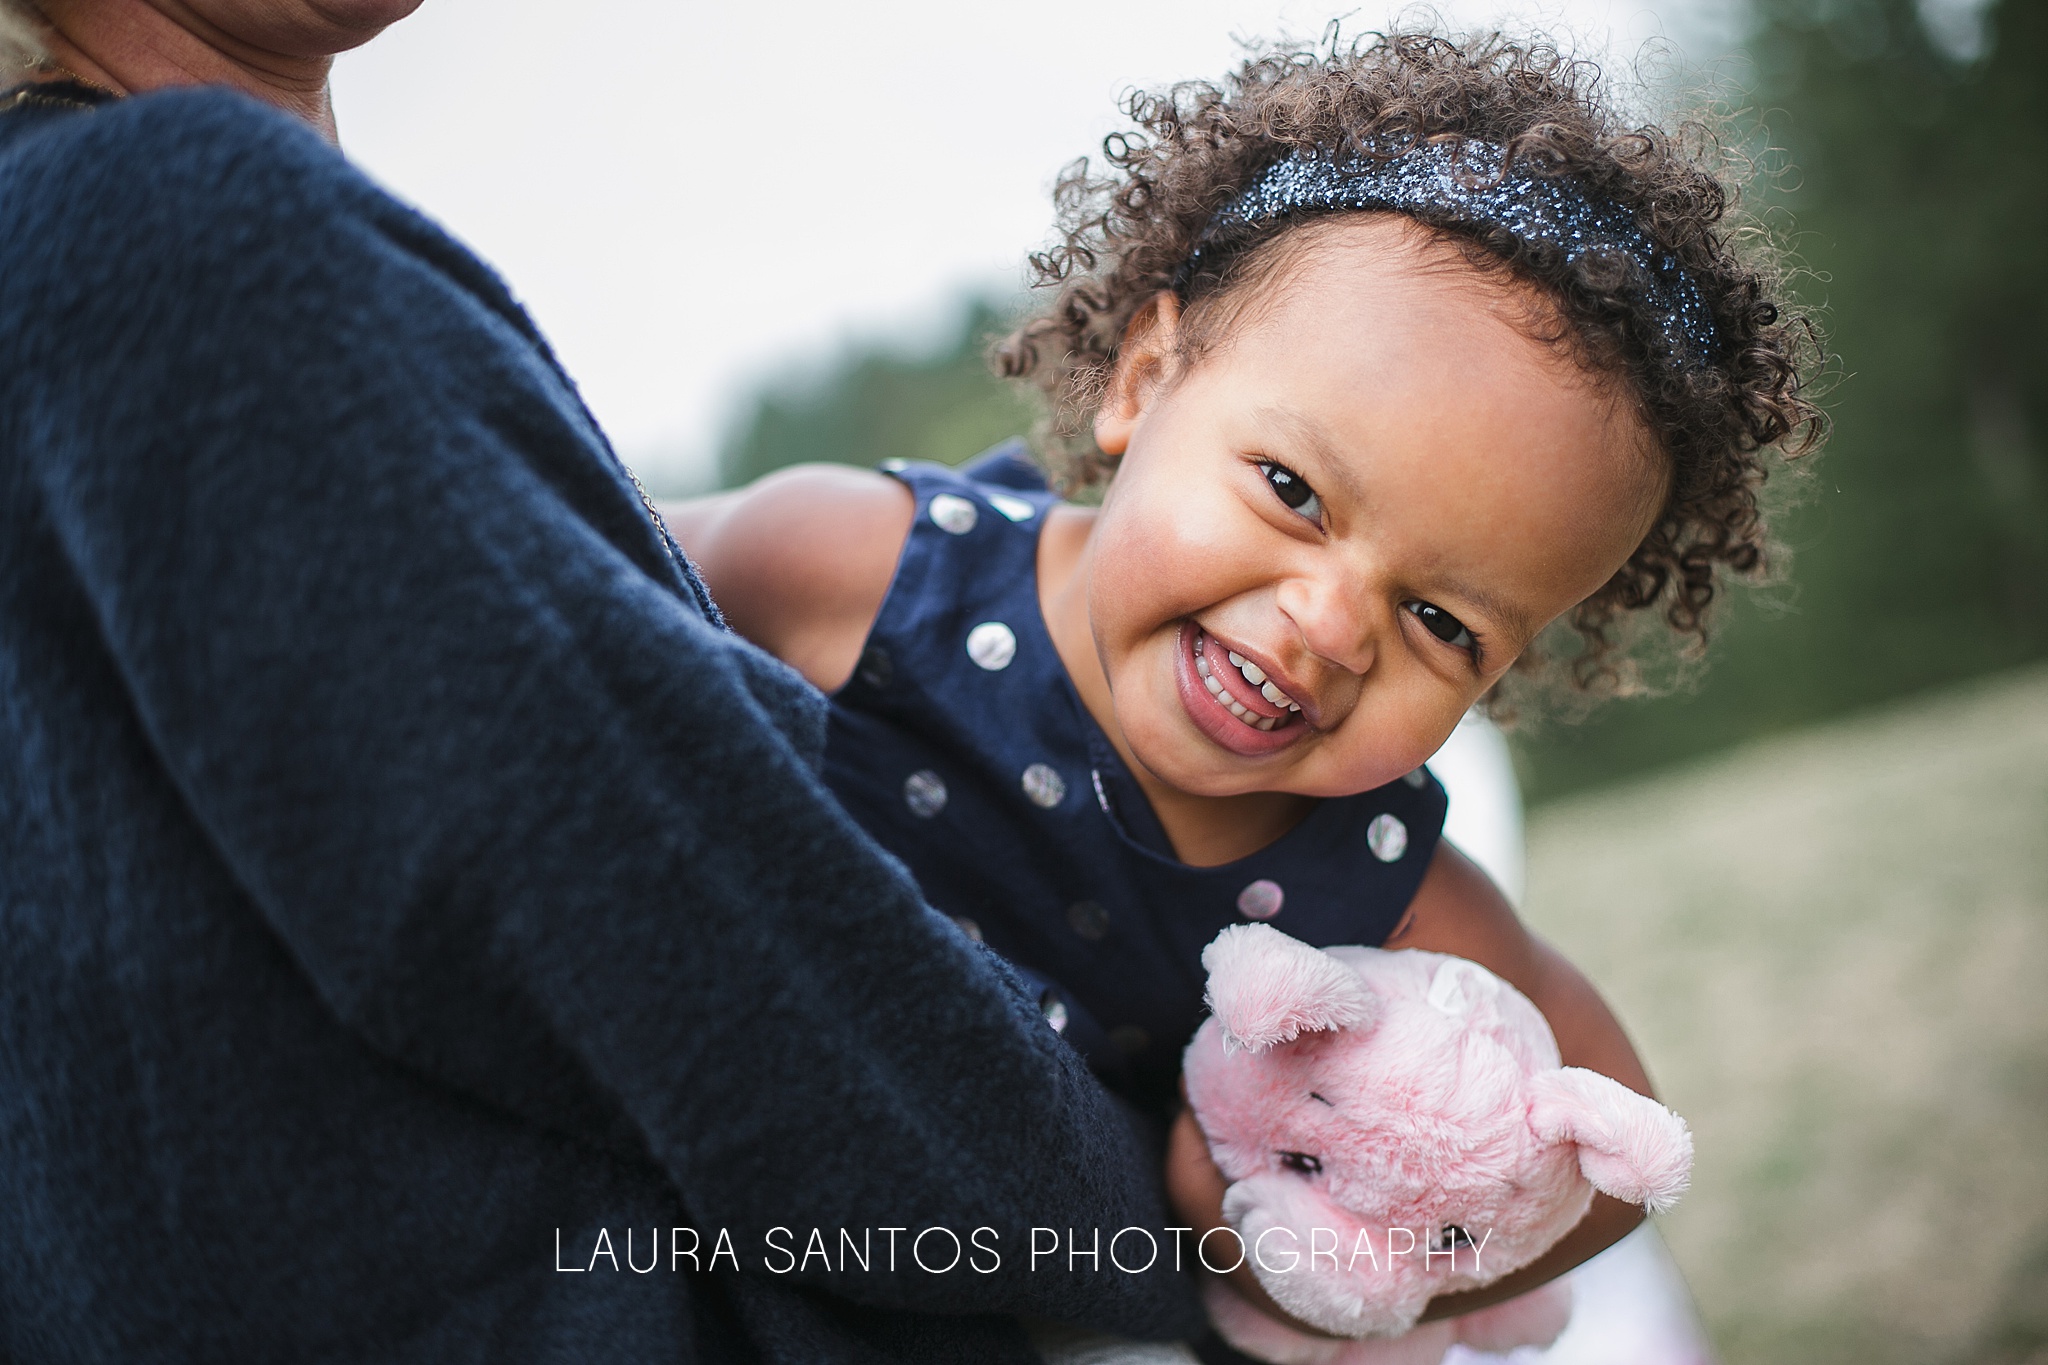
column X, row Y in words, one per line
column 803, row 560
column 800, row 560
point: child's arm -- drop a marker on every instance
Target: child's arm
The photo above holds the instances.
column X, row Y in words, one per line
column 800, row 561
column 1458, row 910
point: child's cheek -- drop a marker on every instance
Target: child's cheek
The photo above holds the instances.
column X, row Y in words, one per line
column 1182, row 550
column 1145, row 568
column 1393, row 732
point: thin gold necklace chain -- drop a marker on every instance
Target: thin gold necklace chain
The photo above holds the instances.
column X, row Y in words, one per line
column 51, row 67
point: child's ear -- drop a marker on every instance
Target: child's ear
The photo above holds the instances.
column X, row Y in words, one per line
column 1141, row 360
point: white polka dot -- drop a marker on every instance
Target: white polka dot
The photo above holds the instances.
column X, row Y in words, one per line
column 1055, row 1011
column 992, row 645
column 1260, row 900
column 953, row 515
column 1044, row 786
column 1387, row 837
column 893, row 466
column 924, row 791
column 1016, row 509
column 1417, row 779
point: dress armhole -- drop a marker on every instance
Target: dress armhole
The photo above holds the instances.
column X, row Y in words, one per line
column 801, row 563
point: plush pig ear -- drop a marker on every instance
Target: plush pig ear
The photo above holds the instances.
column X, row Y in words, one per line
column 1630, row 1146
column 1266, row 988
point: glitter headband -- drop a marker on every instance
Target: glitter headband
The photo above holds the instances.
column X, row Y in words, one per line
column 1469, row 185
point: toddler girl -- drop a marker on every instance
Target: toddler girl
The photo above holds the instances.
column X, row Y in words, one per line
column 1383, row 361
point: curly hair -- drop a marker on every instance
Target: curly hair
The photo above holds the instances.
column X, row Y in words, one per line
column 1129, row 234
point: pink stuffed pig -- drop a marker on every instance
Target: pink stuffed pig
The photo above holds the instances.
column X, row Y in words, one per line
column 1396, row 1126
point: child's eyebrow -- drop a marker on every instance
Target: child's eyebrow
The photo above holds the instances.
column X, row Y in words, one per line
column 1512, row 617
column 1306, row 430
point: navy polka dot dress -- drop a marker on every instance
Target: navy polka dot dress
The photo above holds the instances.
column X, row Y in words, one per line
column 960, row 744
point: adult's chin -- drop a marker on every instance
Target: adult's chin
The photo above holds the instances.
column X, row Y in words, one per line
column 303, row 28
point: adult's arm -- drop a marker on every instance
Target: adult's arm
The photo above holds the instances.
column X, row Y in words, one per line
column 458, row 724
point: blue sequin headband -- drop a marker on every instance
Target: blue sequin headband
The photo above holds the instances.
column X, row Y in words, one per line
column 1468, row 184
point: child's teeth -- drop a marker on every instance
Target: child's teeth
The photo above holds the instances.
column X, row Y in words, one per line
column 1253, row 674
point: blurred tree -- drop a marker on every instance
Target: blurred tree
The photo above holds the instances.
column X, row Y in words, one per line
column 876, row 404
column 1920, row 553
column 1919, row 132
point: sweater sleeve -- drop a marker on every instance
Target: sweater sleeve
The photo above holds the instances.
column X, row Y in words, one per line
column 452, row 713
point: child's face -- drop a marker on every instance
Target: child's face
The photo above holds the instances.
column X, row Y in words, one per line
column 1375, row 491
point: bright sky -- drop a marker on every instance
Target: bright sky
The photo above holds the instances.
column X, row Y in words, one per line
column 691, row 196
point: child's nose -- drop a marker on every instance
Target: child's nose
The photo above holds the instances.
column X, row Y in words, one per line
column 1336, row 619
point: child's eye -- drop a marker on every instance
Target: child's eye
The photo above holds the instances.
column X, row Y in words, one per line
column 1442, row 624
column 1293, row 490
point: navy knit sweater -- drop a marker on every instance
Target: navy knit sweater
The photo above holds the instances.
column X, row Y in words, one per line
column 407, row 889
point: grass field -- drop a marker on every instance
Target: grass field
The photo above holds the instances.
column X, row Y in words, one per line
column 1832, row 950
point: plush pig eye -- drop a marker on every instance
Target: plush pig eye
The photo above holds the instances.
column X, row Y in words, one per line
column 1453, row 1237
column 1301, row 1163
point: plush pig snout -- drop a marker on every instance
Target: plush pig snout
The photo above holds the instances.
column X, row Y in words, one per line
column 1305, row 1251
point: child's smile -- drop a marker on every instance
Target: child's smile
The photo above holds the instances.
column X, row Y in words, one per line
column 1232, row 699
column 1335, row 528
